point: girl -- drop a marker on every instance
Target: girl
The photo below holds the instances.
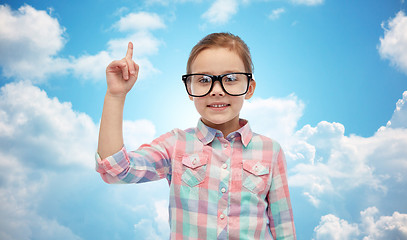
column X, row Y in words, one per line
column 226, row 182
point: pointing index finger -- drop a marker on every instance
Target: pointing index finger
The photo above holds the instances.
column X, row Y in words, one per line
column 129, row 54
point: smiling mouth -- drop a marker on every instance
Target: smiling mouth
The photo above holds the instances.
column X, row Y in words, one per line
column 218, row 105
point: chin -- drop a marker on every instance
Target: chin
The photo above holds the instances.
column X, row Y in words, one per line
column 217, row 121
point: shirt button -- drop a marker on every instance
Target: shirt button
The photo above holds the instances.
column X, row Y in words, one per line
column 225, row 145
column 223, row 190
column 194, row 161
column 224, row 166
column 222, row 216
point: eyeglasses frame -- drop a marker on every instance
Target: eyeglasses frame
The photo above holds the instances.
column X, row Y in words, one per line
column 217, row 78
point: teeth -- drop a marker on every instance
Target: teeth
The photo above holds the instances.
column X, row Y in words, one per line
column 218, row 105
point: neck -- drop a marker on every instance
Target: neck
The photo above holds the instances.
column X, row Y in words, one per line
column 226, row 128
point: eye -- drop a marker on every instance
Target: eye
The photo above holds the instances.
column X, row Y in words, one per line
column 230, row 78
column 204, row 79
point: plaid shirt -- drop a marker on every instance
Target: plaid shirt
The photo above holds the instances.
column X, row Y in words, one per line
column 233, row 188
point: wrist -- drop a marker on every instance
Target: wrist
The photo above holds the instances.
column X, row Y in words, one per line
column 115, row 97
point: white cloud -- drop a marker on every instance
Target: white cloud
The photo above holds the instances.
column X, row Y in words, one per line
column 31, row 122
column 333, row 228
column 161, row 208
column 385, row 227
column 157, row 229
column 323, row 160
column 48, row 150
column 145, row 44
column 161, row 219
column 140, row 21
column 393, row 45
column 370, row 228
column 138, row 132
column 20, row 192
column 139, row 27
column 120, row 11
column 314, row 201
column 275, row 117
column 30, row 42
column 221, row 11
column 167, row 2
column 399, row 118
column 92, row 67
column 390, row 145
column 100, row 61
column 308, row 2
column 144, row 229
column 330, row 163
column 34, row 123
column 276, row 13
column 25, row 225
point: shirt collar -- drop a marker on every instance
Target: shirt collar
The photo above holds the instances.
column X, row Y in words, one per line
column 206, row 134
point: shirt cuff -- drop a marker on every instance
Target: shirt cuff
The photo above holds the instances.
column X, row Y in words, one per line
column 113, row 165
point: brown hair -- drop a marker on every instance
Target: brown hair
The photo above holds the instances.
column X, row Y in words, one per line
column 224, row 40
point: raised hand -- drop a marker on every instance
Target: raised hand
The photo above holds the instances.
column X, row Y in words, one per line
column 122, row 74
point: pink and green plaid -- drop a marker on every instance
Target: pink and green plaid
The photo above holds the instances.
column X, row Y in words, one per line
column 220, row 188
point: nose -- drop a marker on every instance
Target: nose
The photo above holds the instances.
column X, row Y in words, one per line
column 217, row 89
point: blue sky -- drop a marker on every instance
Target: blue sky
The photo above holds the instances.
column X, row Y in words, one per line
column 331, row 88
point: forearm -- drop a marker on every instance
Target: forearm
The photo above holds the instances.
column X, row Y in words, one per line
column 280, row 209
column 111, row 126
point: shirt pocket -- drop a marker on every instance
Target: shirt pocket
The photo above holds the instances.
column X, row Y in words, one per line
column 194, row 168
column 255, row 175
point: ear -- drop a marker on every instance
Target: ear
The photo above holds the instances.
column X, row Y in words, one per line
column 250, row 92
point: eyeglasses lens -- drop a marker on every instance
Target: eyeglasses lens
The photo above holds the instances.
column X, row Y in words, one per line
column 233, row 84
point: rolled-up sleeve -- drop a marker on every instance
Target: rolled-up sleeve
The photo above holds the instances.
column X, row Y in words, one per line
column 148, row 163
column 110, row 167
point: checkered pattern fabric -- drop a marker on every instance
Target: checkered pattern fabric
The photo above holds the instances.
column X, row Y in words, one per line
column 220, row 188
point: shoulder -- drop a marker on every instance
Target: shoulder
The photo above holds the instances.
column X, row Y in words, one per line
column 170, row 139
column 184, row 132
column 178, row 133
column 266, row 142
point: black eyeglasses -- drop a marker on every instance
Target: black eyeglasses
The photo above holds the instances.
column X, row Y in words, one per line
column 200, row 85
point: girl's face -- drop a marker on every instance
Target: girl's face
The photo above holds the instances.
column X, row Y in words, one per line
column 218, row 109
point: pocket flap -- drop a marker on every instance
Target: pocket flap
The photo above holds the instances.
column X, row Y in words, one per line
column 255, row 167
column 194, row 160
